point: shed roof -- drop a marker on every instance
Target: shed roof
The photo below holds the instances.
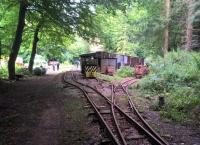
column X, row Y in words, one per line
column 88, row 55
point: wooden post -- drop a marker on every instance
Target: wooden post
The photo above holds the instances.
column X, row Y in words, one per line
column 161, row 101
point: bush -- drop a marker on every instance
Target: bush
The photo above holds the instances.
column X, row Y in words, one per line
column 125, row 71
column 3, row 72
column 21, row 70
column 108, row 78
column 18, row 70
column 177, row 77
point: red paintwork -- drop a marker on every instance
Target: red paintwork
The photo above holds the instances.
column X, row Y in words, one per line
column 141, row 70
column 110, row 70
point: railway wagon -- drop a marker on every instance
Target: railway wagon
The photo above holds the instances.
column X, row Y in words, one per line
column 108, row 63
column 105, row 62
column 108, row 66
column 123, row 60
column 136, row 61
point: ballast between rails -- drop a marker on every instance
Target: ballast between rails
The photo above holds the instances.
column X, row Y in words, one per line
column 113, row 113
column 111, row 135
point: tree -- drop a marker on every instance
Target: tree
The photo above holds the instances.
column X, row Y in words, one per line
column 189, row 25
column 71, row 15
column 166, row 31
column 18, row 39
column 34, row 46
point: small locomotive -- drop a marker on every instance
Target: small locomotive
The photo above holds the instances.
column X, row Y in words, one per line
column 89, row 68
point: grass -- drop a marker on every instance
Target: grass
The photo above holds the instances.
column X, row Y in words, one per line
column 125, row 71
column 108, row 78
column 76, row 120
column 122, row 73
column 76, row 117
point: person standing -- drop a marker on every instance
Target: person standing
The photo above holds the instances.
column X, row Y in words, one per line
column 53, row 65
column 58, row 66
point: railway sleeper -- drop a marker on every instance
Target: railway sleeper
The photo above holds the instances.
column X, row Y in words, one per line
column 134, row 137
column 105, row 111
column 106, row 141
column 99, row 107
column 86, row 106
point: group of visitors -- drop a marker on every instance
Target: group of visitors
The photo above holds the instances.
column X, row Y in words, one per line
column 55, row 65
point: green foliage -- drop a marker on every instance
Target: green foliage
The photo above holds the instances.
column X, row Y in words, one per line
column 125, row 71
column 112, row 31
column 176, row 77
column 8, row 23
column 19, row 70
column 22, row 70
column 136, row 32
column 80, row 46
column 109, row 78
column 180, row 101
column 40, row 61
column 3, row 72
column 141, row 27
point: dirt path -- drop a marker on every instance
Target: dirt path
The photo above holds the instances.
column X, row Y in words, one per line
column 39, row 111
column 44, row 111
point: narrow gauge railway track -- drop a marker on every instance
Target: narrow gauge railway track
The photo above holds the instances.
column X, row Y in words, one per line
column 122, row 128
column 129, row 82
column 134, row 112
column 95, row 107
column 119, row 90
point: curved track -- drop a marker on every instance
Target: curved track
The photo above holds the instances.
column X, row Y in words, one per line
column 121, row 127
column 124, row 87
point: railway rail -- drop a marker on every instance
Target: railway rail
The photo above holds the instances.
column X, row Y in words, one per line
column 122, row 128
column 134, row 110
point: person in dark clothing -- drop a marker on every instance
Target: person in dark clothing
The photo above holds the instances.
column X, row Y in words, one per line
column 53, row 67
column 58, row 66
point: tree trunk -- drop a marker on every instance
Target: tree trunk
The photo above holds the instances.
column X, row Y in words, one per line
column 34, row 48
column 18, row 39
column 189, row 26
column 0, row 51
column 166, row 31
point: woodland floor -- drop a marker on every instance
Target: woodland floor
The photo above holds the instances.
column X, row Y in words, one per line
column 43, row 111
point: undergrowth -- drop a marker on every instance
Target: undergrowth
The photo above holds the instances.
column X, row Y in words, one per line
column 108, row 77
column 177, row 78
column 18, row 70
column 123, row 72
column 3, row 72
